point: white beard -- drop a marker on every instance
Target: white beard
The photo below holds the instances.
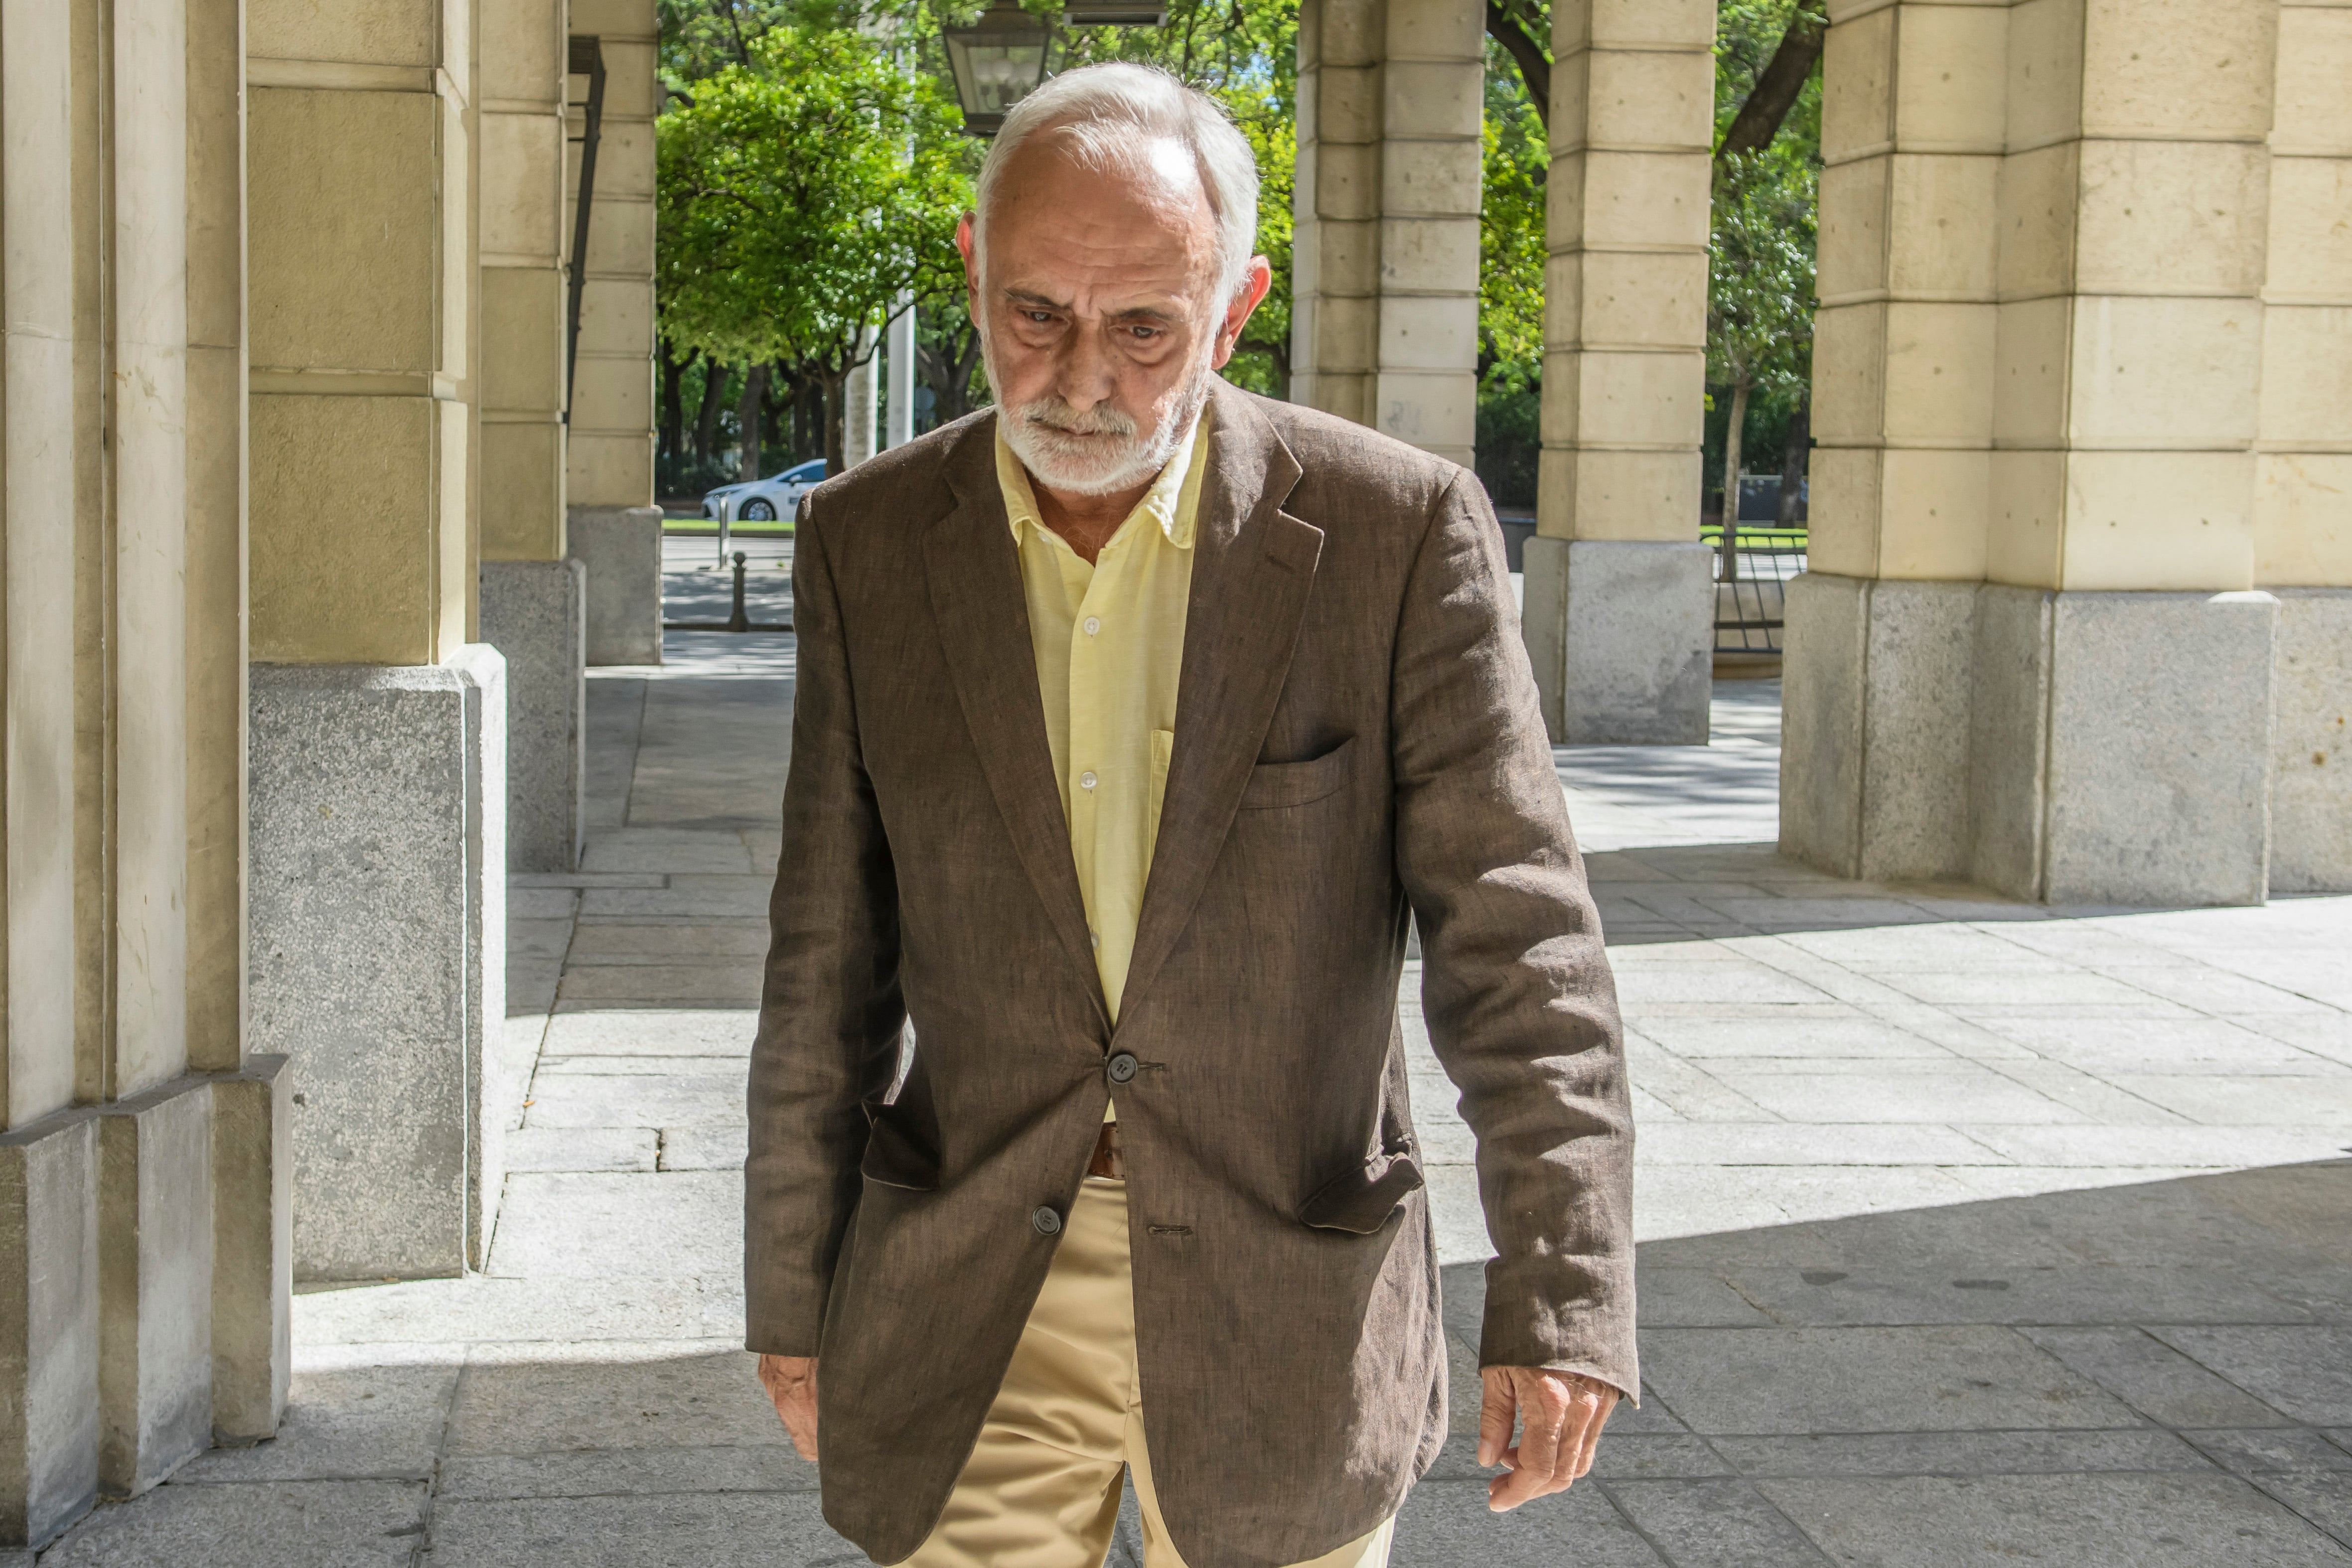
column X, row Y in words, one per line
column 1098, row 453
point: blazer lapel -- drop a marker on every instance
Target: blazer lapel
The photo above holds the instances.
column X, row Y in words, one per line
column 1253, row 570
column 983, row 613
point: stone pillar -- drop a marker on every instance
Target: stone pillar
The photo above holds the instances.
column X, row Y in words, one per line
column 2030, row 650
column 1619, row 608
column 1385, row 259
column 2303, row 456
column 532, row 604
column 610, row 466
column 899, row 418
column 860, row 411
column 377, row 780
column 123, row 430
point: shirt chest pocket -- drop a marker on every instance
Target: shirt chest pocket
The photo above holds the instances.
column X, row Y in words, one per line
column 1275, row 785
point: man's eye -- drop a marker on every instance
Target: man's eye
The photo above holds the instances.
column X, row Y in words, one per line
column 1040, row 316
column 1144, row 332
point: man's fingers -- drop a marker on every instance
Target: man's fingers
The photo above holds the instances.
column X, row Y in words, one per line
column 790, row 1382
column 1499, row 1411
column 1596, row 1403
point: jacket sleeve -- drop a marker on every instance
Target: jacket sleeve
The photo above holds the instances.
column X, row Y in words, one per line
column 830, row 1008
column 1515, row 984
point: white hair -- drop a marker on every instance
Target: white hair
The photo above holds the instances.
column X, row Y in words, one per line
column 1108, row 117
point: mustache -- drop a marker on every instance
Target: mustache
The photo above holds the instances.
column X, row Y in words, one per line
column 1052, row 416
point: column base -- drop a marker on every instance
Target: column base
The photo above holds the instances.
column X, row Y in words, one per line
column 1621, row 633
column 156, row 1284
column 49, row 1327
column 533, row 612
column 377, row 911
column 620, row 547
column 2311, row 743
column 253, row 1248
column 2082, row 749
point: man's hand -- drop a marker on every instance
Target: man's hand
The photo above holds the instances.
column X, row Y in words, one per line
column 1564, row 1413
column 790, row 1381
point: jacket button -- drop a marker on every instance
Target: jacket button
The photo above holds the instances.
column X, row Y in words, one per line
column 1044, row 1221
column 1122, row 1068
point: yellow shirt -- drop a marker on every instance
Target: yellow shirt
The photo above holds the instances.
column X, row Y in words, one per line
column 1110, row 644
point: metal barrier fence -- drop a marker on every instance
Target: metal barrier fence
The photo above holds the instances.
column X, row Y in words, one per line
column 1748, row 599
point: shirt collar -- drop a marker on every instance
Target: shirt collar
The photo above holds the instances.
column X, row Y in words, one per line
column 1163, row 503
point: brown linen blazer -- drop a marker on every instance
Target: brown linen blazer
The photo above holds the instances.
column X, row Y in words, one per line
column 1356, row 741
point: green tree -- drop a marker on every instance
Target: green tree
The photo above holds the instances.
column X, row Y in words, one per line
column 801, row 195
column 1760, row 250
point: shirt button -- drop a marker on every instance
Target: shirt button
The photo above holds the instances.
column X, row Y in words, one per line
column 1044, row 1221
column 1122, row 1068
column 1094, row 938
column 1087, row 779
column 1094, row 624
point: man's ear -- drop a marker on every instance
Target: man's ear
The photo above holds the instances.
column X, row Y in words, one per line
column 1256, row 278
column 968, row 245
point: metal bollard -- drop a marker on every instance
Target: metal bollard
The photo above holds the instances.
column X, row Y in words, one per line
column 740, row 621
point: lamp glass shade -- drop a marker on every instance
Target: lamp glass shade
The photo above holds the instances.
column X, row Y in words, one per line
column 998, row 61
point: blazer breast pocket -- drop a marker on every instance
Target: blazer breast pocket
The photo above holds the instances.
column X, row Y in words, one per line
column 1272, row 785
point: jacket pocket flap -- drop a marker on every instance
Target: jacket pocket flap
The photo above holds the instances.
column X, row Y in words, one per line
column 1277, row 784
column 895, row 1155
column 1361, row 1201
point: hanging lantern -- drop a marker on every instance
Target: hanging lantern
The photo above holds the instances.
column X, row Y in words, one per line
column 998, row 61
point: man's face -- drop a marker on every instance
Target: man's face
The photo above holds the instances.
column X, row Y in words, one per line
column 1099, row 312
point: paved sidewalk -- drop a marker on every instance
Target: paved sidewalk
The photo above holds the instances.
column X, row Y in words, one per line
column 1972, row 1232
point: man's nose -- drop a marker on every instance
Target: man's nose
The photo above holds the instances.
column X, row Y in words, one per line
column 1086, row 375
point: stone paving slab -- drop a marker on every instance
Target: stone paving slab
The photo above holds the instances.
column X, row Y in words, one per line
column 616, row 1226
column 379, row 1422
column 266, row 1525
column 728, row 1529
column 2161, row 1521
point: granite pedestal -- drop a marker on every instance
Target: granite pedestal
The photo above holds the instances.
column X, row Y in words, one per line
column 1621, row 636
column 377, row 900
column 534, row 613
column 621, row 548
column 2072, row 748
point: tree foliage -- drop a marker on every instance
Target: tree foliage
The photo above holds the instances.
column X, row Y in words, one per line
column 800, row 195
column 1760, row 254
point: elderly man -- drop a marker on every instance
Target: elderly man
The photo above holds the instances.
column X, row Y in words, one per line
column 1135, row 717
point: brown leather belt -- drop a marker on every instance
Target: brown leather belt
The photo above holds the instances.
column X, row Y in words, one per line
column 1107, row 1161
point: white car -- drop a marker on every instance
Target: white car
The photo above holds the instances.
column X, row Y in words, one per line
column 765, row 500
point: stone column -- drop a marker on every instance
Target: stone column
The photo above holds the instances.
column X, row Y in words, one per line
column 609, row 463
column 2303, row 452
column 2030, row 650
column 124, row 534
column 1620, row 608
column 1385, row 259
column 533, row 598
column 377, row 746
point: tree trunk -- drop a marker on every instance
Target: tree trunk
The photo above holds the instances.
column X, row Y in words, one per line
column 747, row 422
column 672, row 409
column 1795, row 461
column 706, row 412
column 836, row 448
column 1777, row 86
column 1732, row 433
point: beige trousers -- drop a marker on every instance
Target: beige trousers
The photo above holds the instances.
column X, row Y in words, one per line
column 1042, row 1488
